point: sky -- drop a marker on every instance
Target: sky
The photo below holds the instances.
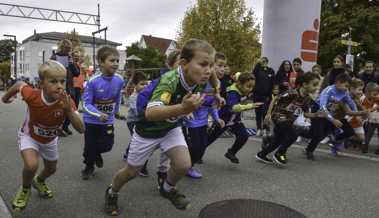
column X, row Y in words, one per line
column 126, row 20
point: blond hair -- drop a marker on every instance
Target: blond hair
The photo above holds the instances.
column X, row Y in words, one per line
column 49, row 66
column 64, row 43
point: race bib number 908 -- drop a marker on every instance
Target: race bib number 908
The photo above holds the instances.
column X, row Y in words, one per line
column 49, row 133
column 106, row 108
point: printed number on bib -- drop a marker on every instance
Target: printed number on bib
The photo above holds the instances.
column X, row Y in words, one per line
column 49, row 133
column 105, row 108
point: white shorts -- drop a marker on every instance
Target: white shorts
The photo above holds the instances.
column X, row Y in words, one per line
column 47, row 151
column 141, row 148
column 359, row 130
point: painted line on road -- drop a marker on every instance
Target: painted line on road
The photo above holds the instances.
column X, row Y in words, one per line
column 326, row 151
column 4, row 212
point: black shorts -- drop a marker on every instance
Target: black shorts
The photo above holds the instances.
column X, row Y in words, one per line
column 99, row 137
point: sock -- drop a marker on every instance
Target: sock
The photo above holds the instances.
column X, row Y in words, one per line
column 167, row 187
column 111, row 191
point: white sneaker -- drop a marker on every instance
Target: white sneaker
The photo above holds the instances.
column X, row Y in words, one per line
column 298, row 140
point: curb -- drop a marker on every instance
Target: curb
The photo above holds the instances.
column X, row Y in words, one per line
column 4, row 212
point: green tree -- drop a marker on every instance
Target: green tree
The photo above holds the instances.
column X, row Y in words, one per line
column 336, row 18
column 5, row 71
column 151, row 57
column 6, row 48
column 229, row 26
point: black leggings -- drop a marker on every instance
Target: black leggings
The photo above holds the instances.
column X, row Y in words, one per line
column 261, row 111
column 238, row 129
column 197, row 142
column 284, row 136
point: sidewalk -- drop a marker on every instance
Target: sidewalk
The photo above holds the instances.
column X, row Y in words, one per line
column 4, row 212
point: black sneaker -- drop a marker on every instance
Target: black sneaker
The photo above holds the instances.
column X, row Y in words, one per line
column 263, row 159
column 161, row 178
column 201, row 161
column 365, row 149
column 99, row 161
column 111, row 206
column 280, row 159
column 87, row 172
column 143, row 172
column 232, row 157
column 377, row 151
column 177, row 199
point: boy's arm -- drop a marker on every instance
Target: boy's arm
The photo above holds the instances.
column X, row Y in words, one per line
column 118, row 100
column 71, row 113
column 12, row 91
column 324, row 96
column 88, row 100
column 214, row 113
column 216, row 84
column 349, row 101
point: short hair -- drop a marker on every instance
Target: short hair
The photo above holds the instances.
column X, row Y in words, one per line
column 64, row 43
column 172, row 57
column 245, row 77
column 371, row 87
column 298, row 60
column 49, row 66
column 317, row 65
column 220, row 56
column 138, row 77
column 370, row 62
column 343, row 78
column 355, row 83
column 104, row 52
column 306, row 78
column 193, row 45
column 339, row 57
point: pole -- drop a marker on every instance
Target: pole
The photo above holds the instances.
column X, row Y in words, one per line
column 98, row 17
column 15, row 53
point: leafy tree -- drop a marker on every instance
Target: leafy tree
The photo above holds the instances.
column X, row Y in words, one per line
column 151, row 57
column 5, row 71
column 229, row 26
column 6, row 48
column 336, row 18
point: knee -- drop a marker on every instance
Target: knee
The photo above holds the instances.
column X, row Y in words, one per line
column 31, row 167
column 51, row 169
column 182, row 167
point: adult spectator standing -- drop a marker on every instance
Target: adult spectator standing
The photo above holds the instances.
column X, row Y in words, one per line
column 63, row 56
column 297, row 72
column 282, row 76
column 338, row 68
column 265, row 80
column 369, row 74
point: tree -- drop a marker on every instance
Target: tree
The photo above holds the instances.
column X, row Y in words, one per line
column 229, row 26
column 336, row 18
column 6, row 49
column 151, row 57
column 5, row 71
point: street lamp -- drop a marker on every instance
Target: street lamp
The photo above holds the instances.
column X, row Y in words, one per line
column 15, row 53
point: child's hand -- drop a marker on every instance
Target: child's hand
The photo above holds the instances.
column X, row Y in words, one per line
column 10, row 100
column 190, row 116
column 337, row 123
column 65, row 101
column 219, row 100
column 221, row 123
column 191, row 102
column 103, row 118
column 321, row 114
column 257, row 104
column 267, row 120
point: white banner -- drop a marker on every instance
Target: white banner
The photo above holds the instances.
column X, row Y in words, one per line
column 291, row 29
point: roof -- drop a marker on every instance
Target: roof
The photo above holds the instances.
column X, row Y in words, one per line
column 59, row 36
column 161, row 44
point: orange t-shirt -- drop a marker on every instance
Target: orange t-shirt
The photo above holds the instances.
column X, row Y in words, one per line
column 43, row 119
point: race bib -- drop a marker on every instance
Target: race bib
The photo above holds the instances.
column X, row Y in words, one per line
column 106, row 108
column 48, row 133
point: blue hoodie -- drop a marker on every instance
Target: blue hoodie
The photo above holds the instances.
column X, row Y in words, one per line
column 201, row 115
column 102, row 95
column 331, row 95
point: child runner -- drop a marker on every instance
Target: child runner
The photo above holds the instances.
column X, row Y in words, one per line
column 288, row 113
column 231, row 114
column 371, row 102
column 329, row 101
column 171, row 99
column 47, row 109
column 196, row 130
column 101, row 98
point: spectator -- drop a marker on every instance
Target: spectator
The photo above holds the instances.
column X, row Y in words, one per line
column 282, row 76
column 297, row 72
column 369, row 74
column 265, row 80
column 338, row 68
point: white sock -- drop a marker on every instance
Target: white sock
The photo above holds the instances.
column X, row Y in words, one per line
column 111, row 191
column 167, row 187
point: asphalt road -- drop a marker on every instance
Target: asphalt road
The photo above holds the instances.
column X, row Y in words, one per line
column 330, row 187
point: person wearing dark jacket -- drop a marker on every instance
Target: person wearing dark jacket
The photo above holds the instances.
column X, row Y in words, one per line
column 265, row 80
column 338, row 68
column 369, row 75
column 282, row 76
column 72, row 67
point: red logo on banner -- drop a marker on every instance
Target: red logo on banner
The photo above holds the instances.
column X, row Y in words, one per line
column 309, row 43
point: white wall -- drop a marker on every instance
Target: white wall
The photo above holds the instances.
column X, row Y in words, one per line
column 289, row 31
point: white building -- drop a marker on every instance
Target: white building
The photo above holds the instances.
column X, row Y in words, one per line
column 165, row 46
column 40, row 46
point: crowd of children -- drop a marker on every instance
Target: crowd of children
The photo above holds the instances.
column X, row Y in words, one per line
column 171, row 113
